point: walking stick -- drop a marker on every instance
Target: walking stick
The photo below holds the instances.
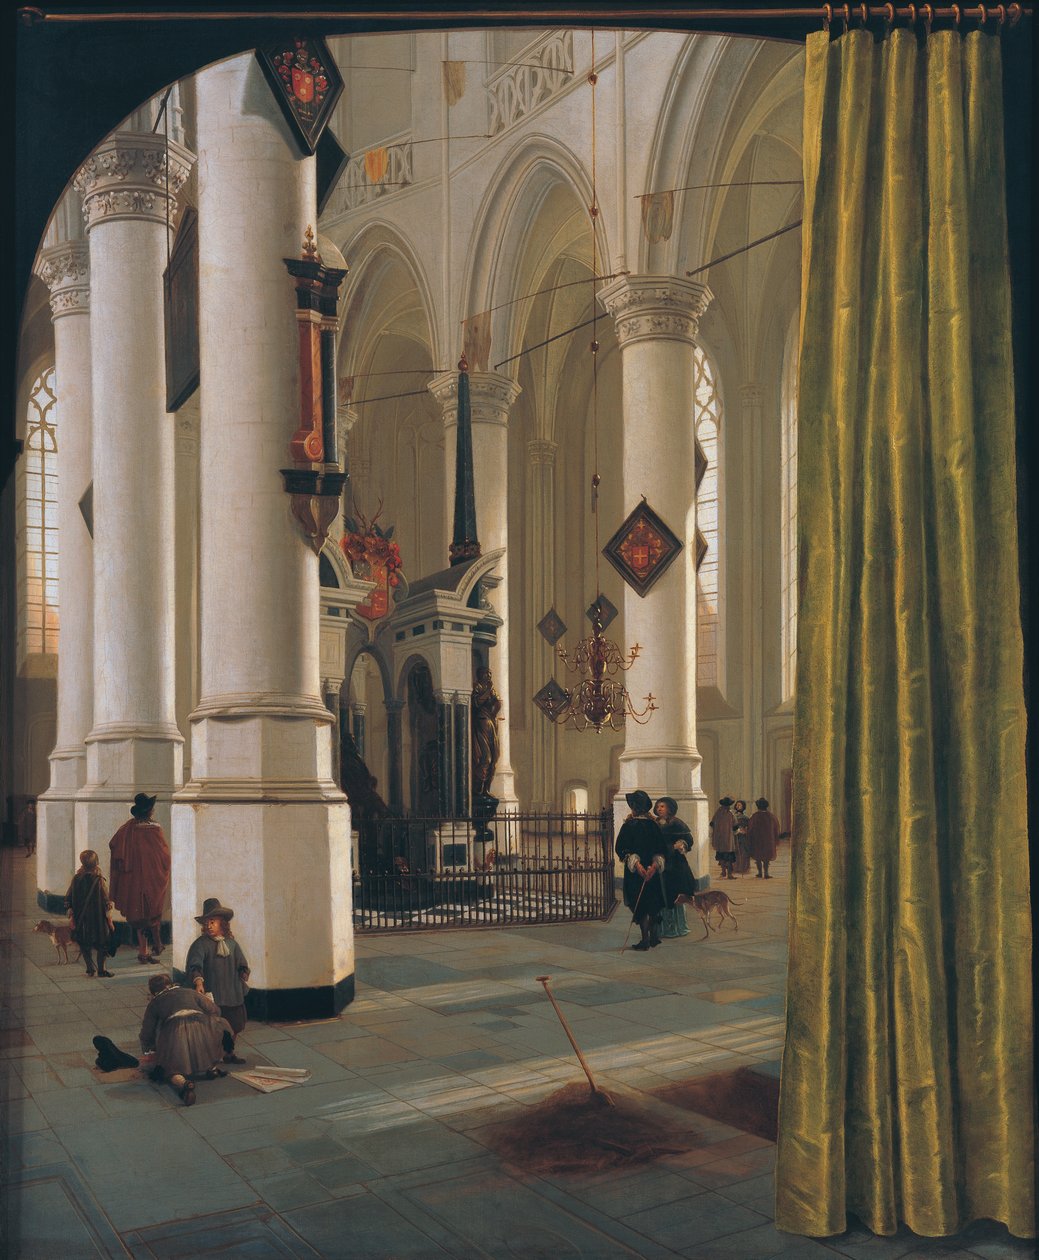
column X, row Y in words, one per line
column 597, row 1093
column 633, row 913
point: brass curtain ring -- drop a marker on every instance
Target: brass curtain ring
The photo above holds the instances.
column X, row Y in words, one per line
column 1002, row 15
column 928, row 17
column 957, row 14
column 889, row 18
column 864, row 15
column 982, row 16
column 847, row 17
column 827, row 16
column 1015, row 13
column 912, row 16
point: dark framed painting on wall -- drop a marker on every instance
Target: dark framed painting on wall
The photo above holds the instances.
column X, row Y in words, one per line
column 306, row 82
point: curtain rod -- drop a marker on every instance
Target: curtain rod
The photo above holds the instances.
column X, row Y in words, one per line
column 556, row 15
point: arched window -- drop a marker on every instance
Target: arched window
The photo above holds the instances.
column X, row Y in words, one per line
column 788, row 509
column 38, row 588
column 575, row 798
column 707, row 422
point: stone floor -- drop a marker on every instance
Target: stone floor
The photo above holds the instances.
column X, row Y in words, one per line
column 383, row 1153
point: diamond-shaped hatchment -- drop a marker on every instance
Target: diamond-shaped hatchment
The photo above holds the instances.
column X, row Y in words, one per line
column 552, row 627
column 699, row 464
column 605, row 606
column 552, row 699
column 701, row 548
column 642, row 548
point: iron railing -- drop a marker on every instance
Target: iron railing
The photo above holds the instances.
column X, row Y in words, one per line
column 420, row 873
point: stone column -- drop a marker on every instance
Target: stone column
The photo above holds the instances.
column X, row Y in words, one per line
column 656, row 319
column 395, row 745
column 445, row 753
column 187, row 448
column 751, row 585
column 357, row 716
column 261, row 824
column 128, row 189
column 463, row 742
column 541, row 513
column 492, row 396
column 65, row 269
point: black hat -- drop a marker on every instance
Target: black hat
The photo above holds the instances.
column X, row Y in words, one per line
column 638, row 801
column 110, row 1058
column 761, row 803
column 727, row 801
column 142, row 806
column 671, row 804
column 212, row 909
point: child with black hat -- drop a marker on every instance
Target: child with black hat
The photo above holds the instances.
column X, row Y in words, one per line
column 216, row 965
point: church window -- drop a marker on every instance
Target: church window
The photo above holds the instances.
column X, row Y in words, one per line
column 788, row 508
column 707, row 422
column 38, row 589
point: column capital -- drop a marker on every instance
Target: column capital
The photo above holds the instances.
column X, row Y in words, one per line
column 491, row 395
column 751, row 395
column 129, row 175
column 655, row 308
column 187, row 432
column 542, row 451
column 65, row 270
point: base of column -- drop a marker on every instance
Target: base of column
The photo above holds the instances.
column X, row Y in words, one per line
column 503, row 786
column 673, row 772
column 122, row 761
column 283, row 866
column 57, row 853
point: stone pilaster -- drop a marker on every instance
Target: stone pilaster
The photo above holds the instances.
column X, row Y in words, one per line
column 65, row 269
column 656, row 318
column 261, row 823
column 541, row 516
column 129, row 186
column 492, row 396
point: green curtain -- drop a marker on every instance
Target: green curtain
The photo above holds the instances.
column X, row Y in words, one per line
column 907, row 1092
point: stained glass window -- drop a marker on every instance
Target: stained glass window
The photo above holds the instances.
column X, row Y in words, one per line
column 39, row 593
column 707, row 421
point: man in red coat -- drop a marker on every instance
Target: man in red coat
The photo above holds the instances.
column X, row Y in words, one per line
column 140, row 875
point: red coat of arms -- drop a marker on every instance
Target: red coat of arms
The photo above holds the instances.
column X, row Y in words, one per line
column 302, row 84
column 374, row 557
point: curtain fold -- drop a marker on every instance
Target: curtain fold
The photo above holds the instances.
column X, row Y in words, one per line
column 907, row 1090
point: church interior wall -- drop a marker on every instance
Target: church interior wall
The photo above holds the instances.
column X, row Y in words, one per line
column 696, row 109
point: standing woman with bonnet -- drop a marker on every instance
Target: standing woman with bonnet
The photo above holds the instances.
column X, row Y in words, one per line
column 678, row 878
column 641, row 847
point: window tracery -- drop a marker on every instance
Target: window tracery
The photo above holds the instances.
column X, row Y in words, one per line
column 707, row 423
column 38, row 589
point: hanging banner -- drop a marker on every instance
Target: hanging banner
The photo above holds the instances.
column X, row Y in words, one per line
column 658, row 216
column 376, row 162
column 476, row 340
column 454, row 81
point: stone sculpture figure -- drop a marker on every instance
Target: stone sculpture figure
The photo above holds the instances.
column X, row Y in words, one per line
column 486, row 706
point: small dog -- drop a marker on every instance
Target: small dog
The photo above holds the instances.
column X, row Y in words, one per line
column 61, row 938
column 706, row 903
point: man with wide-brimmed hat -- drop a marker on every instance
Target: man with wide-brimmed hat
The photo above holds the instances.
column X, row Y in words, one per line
column 642, row 848
column 140, row 875
column 217, row 965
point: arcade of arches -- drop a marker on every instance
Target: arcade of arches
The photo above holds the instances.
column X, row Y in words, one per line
column 202, row 643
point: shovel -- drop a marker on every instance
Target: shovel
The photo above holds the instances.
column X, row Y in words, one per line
column 599, row 1095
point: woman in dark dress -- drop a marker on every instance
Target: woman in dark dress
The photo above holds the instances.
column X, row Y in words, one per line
column 89, row 908
column 641, row 846
column 678, row 878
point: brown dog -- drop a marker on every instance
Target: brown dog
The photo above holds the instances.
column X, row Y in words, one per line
column 706, row 903
column 61, row 938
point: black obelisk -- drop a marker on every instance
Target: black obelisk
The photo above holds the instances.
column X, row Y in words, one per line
column 465, row 545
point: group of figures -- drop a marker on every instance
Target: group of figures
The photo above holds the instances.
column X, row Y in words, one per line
column 187, row 1030
column 738, row 839
column 652, row 843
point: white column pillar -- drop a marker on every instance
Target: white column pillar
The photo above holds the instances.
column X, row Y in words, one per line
column 492, row 396
column 750, row 400
column 656, row 319
column 541, row 506
column 187, row 474
column 65, row 269
column 261, row 823
column 134, row 745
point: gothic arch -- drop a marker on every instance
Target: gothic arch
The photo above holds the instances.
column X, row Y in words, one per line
column 498, row 244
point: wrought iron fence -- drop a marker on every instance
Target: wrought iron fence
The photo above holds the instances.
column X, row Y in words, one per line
column 420, row 873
